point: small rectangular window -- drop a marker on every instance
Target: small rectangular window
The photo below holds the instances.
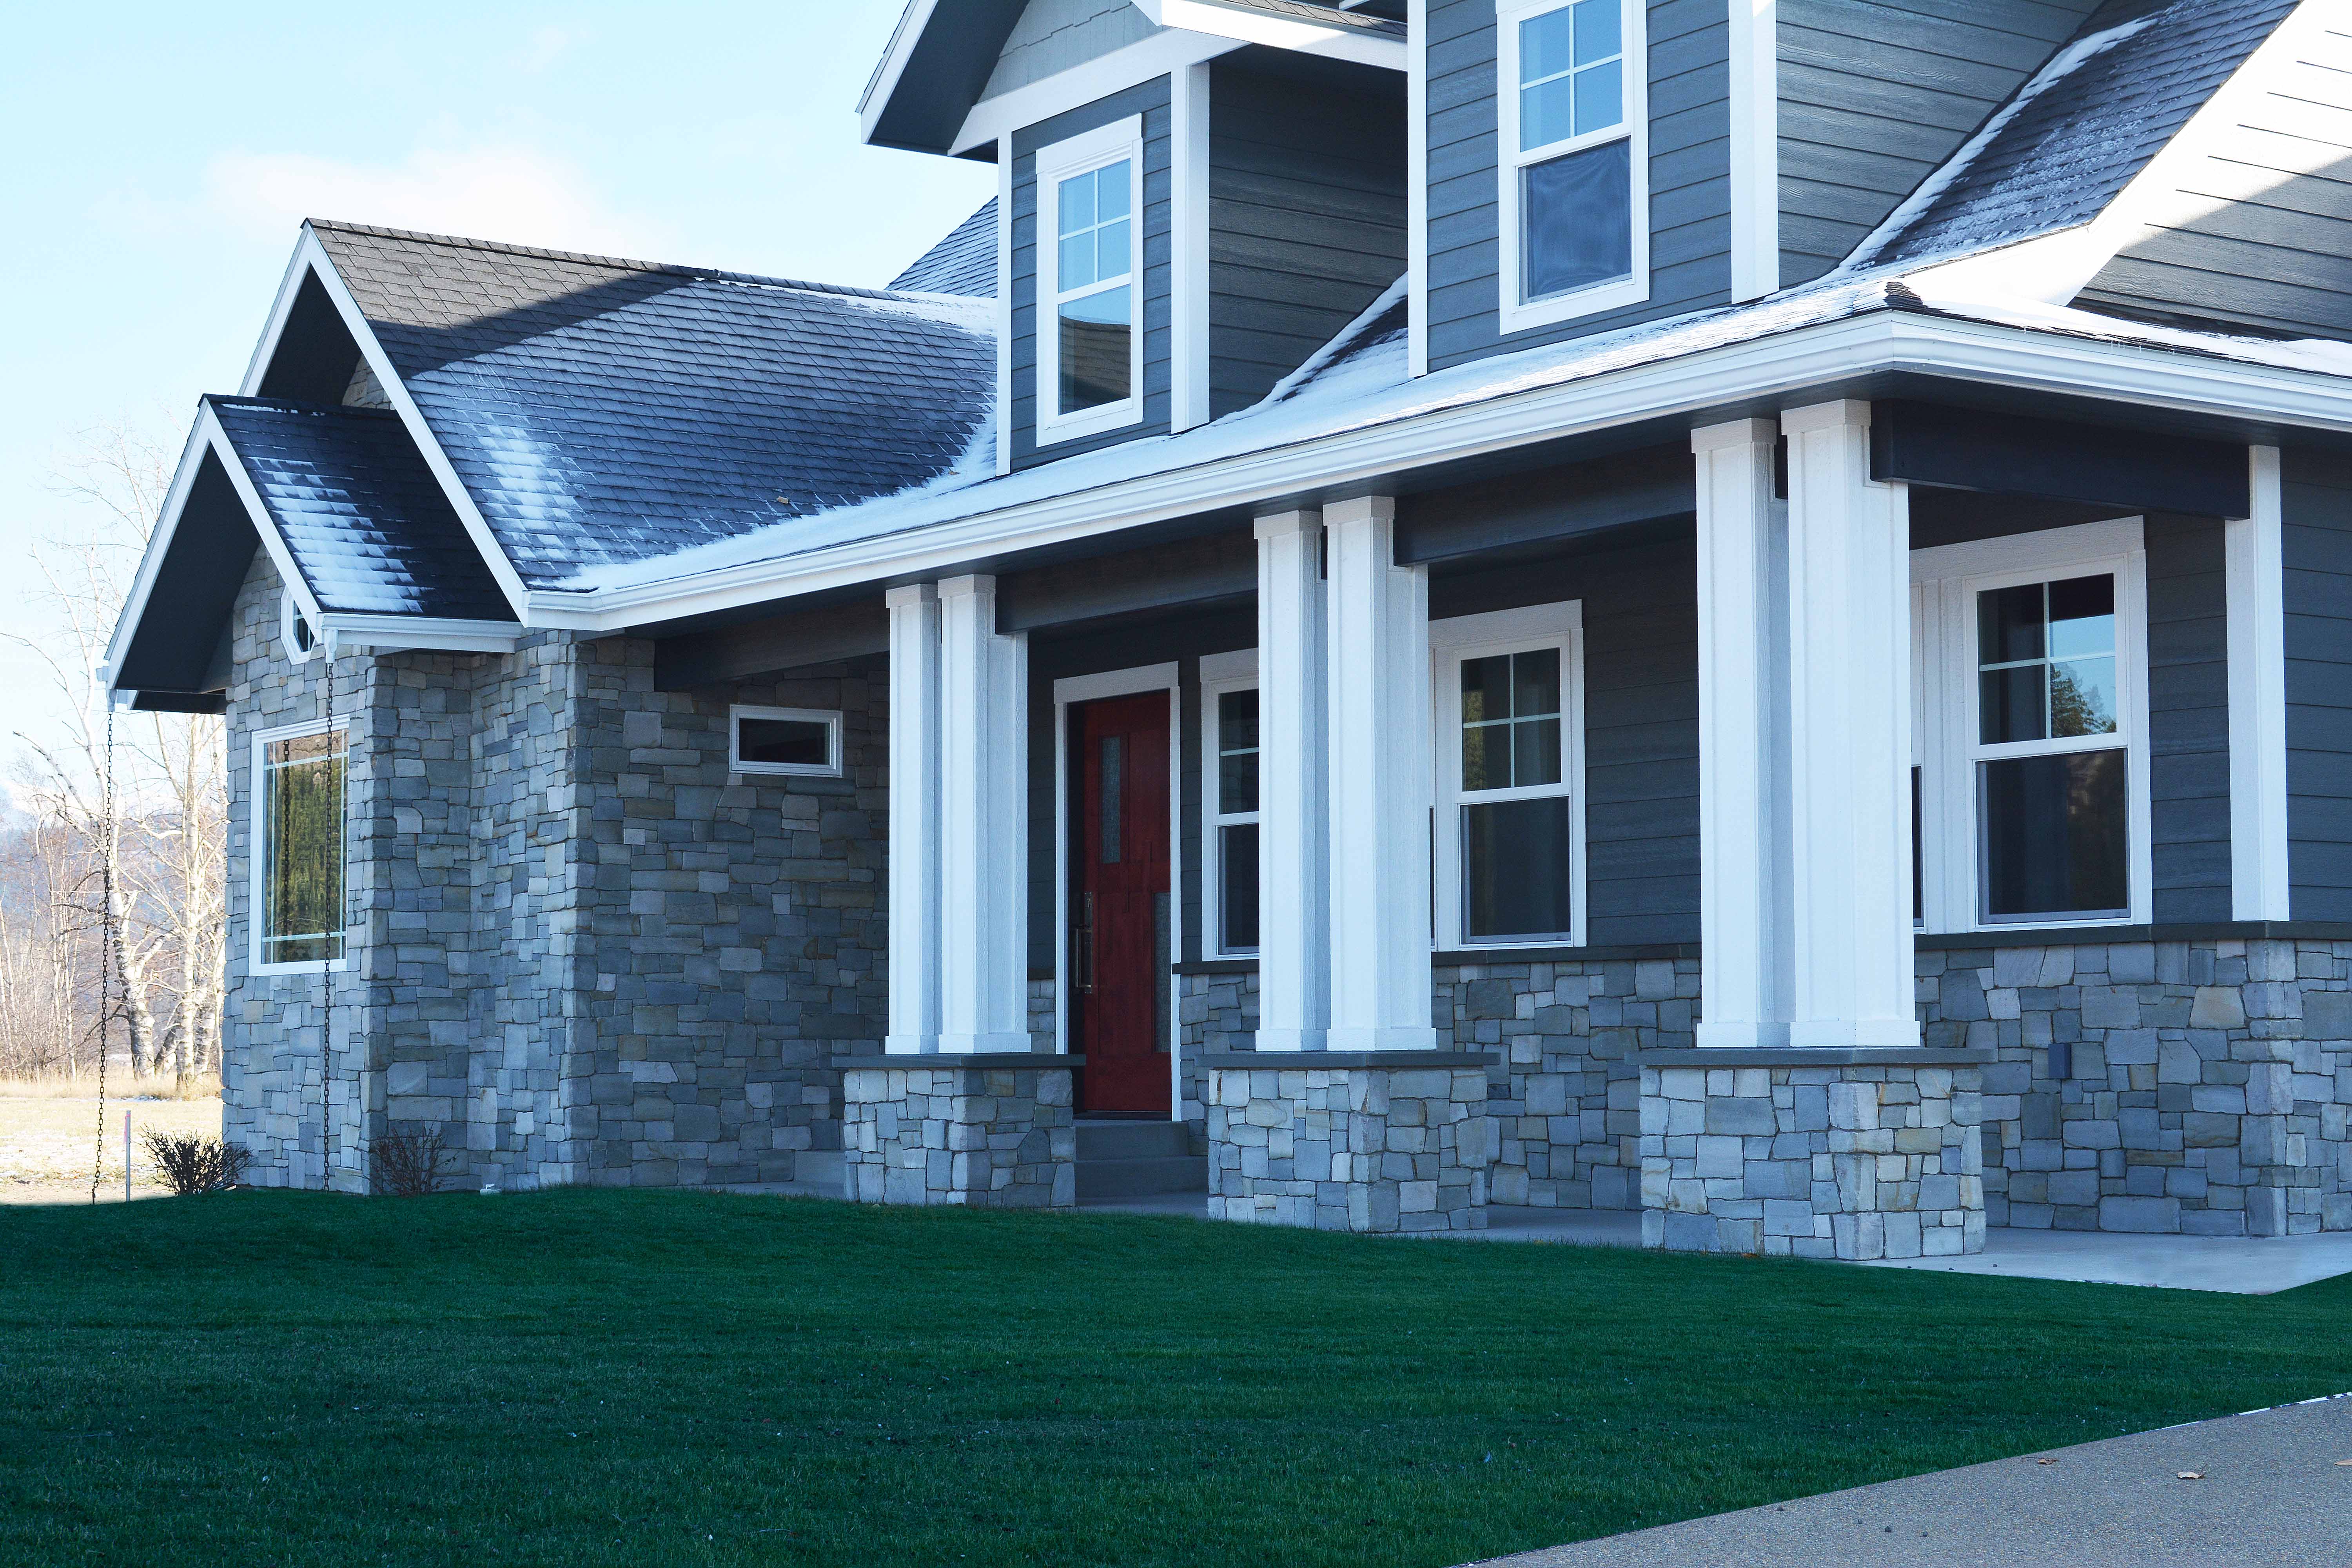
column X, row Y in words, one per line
column 802, row 742
column 1229, row 759
column 1088, row 263
column 1574, row 139
column 301, row 916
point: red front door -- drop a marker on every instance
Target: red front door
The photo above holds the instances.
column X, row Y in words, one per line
column 1122, row 923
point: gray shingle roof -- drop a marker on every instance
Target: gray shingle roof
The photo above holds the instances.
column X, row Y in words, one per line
column 368, row 525
column 601, row 411
column 2078, row 132
column 962, row 263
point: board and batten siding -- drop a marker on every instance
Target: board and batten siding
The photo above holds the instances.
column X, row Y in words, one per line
column 1306, row 219
column 1875, row 96
column 2258, row 230
column 2315, row 496
column 1690, row 178
column 1055, row 35
column 1150, row 101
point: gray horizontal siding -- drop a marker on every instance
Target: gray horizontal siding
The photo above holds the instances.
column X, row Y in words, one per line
column 1875, row 96
column 1150, row 101
column 2259, row 232
column 1055, row 35
column 2189, row 717
column 2316, row 499
column 1690, row 223
column 1307, row 221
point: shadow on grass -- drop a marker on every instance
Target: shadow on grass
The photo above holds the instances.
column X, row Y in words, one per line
column 607, row 1377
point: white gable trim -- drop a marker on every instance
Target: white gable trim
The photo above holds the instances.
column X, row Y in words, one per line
column 159, row 545
column 2054, row 268
column 1147, row 59
column 1225, row 19
column 884, row 82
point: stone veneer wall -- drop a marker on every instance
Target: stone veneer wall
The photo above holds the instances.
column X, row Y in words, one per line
column 2194, row 1086
column 1378, row 1150
column 582, row 951
column 992, row 1137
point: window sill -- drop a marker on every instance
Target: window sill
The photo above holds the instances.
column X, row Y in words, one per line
column 1094, row 422
column 1585, row 302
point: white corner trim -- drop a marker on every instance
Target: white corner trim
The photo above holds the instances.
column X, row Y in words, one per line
column 1004, row 304
column 1416, row 188
column 1755, row 148
column 1189, row 248
column 1518, row 315
column 1249, row 24
column 2261, row 869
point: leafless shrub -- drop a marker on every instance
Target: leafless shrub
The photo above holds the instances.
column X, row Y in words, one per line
column 406, row 1164
column 190, row 1165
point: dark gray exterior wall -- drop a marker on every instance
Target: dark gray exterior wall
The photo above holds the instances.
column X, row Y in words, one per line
column 1150, row 101
column 1875, row 95
column 2188, row 719
column 2262, row 233
column 1690, row 178
column 1306, row 220
column 2316, row 497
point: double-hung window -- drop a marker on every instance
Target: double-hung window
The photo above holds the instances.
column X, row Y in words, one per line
column 2031, row 729
column 1509, row 832
column 1089, row 272
column 298, row 849
column 1229, row 791
column 1574, row 159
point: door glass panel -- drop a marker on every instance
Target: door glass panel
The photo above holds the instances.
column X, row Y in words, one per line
column 2055, row 836
column 1113, row 830
column 1515, row 857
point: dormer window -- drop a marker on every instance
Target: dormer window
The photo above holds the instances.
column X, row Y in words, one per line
column 1574, row 165
column 1090, row 363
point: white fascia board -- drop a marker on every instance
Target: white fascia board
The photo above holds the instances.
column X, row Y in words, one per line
column 1704, row 387
column 2054, row 268
column 159, row 545
column 912, row 22
column 1147, row 60
column 1251, row 25
column 289, row 287
column 263, row 523
column 477, row 527
column 424, row 633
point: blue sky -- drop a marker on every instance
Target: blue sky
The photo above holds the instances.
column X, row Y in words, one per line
column 162, row 156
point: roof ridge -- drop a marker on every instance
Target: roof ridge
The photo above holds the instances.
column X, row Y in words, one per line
column 668, row 268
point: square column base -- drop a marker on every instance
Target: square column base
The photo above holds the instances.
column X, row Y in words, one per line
column 1379, row 1143
column 1853, row 1154
column 936, row 1131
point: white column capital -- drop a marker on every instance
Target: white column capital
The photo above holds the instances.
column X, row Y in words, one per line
column 1282, row 524
column 1854, row 411
column 1360, row 508
column 911, row 594
column 966, row 585
column 1735, row 433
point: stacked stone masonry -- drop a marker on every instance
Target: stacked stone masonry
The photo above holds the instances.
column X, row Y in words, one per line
column 978, row 1137
column 1856, row 1162
column 1377, row 1149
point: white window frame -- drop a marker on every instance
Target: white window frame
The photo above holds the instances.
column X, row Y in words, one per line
column 257, row 856
column 1519, row 314
column 1082, row 155
column 1946, row 697
column 1220, row 674
column 828, row 717
column 1556, row 626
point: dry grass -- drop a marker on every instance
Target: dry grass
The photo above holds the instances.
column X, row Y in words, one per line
column 198, row 1086
column 47, row 1141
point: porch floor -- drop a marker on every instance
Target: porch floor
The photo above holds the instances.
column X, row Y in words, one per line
column 2231, row 1264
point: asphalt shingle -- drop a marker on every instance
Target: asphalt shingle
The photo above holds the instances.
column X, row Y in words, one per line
column 963, row 263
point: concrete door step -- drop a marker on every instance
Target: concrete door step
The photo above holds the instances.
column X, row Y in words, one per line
column 1121, row 1159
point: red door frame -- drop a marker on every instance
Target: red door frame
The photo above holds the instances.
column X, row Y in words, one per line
column 1122, row 927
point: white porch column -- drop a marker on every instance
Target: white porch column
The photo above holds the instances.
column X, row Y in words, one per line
column 1293, row 954
column 983, row 824
column 2258, row 872
column 1743, row 748
column 1378, row 616
column 1850, row 736
column 914, row 1026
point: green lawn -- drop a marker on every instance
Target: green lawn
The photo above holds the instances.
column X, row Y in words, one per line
column 606, row 1377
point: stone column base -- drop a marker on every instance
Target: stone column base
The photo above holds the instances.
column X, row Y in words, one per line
column 1851, row 1155
column 985, row 1131
column 1378, row 1142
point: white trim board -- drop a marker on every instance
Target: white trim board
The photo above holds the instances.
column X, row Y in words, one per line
column 2260, row 863
column 1068, row 693
column 1147, row 60
column 1221, row 19
column 1755, row 148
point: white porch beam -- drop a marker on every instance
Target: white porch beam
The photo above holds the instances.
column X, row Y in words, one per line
column 1293, row 994
column 983, row 824
column 1743, row 748
column 1850, row 736
column 1378, row 667
column 2260, row 875
column 914, row 1011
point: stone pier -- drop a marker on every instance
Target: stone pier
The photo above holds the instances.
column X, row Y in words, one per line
column 983, row 1132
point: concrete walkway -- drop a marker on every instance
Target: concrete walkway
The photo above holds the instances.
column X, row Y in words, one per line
column 2270, row 1488
column 2237, row 1265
